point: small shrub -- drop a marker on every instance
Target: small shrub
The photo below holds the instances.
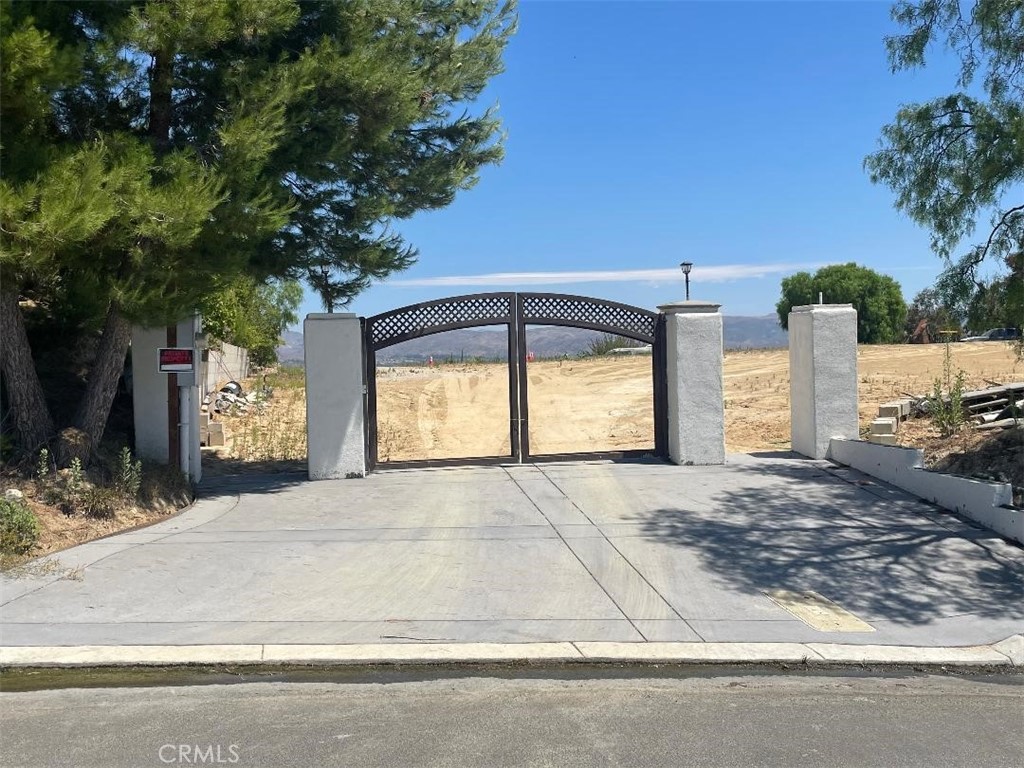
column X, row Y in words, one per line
column 129, row 475
column 19, row 529
column 947, row 410
column 100, row 503
column 606, row 342
column 43, row 466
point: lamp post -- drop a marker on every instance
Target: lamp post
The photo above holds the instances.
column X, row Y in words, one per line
column 686, row 266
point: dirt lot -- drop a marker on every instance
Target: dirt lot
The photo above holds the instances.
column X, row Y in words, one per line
column 604, row 403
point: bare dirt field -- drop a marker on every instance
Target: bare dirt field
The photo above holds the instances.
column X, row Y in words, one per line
column 604, row 403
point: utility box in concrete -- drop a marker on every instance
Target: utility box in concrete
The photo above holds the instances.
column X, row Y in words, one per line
column 823, row 376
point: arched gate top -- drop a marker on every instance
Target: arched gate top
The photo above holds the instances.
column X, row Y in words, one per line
column 478, row 309
column 587, row 312
column 415, row 320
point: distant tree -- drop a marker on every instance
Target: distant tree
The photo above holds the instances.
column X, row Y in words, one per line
column 999, row 303
column 956, row 162
column 881, row 311
column 928, row 316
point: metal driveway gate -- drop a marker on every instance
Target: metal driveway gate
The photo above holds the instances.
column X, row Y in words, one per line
column 515, row 311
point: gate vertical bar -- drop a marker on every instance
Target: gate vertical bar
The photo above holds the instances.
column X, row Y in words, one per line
column 659, row 365
column 524, row 400
column 370, row 395
column 513, row 381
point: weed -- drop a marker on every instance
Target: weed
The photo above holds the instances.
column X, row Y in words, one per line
column 19, row 529
column 101, row 503
column 947, row 409
column 129, row 475
column 606, row 342
column 43, row 466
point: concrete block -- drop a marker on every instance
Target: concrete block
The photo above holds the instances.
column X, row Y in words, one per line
column 890, row 410
column 823, row 376
column 696, row 401
column 884, row 439
column 215, row 434
column 884, row 426
column 986, row 503
column 204, row 420
column 334, row 396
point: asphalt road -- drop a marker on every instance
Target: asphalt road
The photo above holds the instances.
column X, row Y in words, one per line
column 490, row 721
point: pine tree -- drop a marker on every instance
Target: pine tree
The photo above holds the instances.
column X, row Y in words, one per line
column 208, row 140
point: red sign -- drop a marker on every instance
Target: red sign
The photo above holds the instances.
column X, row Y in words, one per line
column 176, row 359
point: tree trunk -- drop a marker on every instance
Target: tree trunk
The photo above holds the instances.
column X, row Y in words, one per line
column 94, row 409
column 32, row 419
column 161, row 100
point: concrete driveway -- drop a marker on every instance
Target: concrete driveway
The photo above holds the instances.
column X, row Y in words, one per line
column 591, row 551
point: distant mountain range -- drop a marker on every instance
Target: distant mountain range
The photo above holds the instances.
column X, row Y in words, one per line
column 762, row 332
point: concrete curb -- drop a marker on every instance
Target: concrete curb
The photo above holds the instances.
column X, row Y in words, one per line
column 1008, row 653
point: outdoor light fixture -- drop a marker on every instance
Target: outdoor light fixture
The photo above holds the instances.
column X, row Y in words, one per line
column 686, row 266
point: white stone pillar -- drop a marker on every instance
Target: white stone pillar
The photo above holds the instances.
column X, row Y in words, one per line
column 149, row 394
column 822, row 376
column 150, row 399
column 696, row 404
column 334, row 396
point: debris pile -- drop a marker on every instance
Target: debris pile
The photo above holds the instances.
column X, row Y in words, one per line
column 998, row 407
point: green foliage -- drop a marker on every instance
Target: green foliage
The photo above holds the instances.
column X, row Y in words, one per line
column 881, row 311
column 155, row 150
column 128, row 478
column 253, row 315
column 946, row 402
column 19, row 529
column 606, row 342
column 99, row 503
column 956, row 163
column 43, row 466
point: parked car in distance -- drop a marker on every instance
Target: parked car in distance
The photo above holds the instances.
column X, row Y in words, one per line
column 996, row 334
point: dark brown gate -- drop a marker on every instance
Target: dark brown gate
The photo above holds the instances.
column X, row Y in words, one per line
column 515, row 311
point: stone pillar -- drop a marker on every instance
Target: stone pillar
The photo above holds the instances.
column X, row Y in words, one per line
column 696, row 405
column 149, row 399
column 334, row 396
column 149, row 394
column 822, row 376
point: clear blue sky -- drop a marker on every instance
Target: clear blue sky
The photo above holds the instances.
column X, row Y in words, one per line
column 642, row 134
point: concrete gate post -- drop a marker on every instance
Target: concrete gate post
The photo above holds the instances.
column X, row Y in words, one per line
column 334, row 396
column 696, row 404
column 152, row 392
column 822, row 376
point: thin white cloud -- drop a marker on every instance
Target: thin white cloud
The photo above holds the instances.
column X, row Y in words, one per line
column 722, row 273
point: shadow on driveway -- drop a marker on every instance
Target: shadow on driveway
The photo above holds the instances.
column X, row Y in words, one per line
column 784, row 527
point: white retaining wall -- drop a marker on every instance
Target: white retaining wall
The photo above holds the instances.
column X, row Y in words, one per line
column 229, row 363
column 985, row 503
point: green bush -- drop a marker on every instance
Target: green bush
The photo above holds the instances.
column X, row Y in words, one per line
column 128, row 480
column 19, row 529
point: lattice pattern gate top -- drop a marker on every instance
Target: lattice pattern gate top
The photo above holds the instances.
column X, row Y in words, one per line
column 478, row 309
column 587, row 312
column 417, row 320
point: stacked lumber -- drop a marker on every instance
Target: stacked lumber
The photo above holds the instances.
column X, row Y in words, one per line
column 995, row 407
